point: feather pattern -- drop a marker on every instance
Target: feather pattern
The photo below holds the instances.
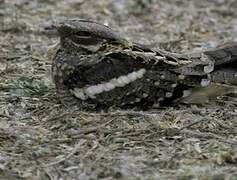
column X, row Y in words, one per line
column 95, row 66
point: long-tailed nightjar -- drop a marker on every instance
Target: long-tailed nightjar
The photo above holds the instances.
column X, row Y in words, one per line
column 94, row 66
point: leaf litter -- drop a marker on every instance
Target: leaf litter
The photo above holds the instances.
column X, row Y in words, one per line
column 41, row 139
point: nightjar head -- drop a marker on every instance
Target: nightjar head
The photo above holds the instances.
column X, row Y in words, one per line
column 76, row 33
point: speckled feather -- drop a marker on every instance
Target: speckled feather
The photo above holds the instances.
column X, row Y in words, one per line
column 91, row 54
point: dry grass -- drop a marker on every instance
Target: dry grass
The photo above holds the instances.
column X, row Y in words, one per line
column 40, row 139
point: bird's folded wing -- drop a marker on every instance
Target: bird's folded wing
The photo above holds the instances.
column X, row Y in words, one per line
column 224, row 54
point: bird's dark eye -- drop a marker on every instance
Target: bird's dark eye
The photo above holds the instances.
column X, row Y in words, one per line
column 83, row 34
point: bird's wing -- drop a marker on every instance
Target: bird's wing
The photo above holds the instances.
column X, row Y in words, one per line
column 225, row 63
column 224, row 54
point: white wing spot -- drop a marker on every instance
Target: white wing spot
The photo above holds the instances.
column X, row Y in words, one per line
column 174, row 85
column 91, row 91
column 186, row 93
column 169, row 94
column 205, row 82
column 181, row 76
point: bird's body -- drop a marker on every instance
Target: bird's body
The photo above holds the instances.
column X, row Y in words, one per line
column 95, row 67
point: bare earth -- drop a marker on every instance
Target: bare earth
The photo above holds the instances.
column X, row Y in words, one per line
column 41, row 139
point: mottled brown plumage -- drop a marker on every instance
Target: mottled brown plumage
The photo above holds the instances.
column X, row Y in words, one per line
column 96, row 67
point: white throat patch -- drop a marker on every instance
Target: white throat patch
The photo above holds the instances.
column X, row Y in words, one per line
column 91, row 91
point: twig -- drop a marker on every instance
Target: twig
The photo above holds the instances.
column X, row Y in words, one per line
column 89, row 130
column 122, row 113
column 194, row 123
column 75, row 149
column 208, row 136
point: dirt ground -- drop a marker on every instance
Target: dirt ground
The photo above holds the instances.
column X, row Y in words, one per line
column 40, row 139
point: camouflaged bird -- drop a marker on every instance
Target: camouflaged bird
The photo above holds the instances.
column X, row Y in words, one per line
column 94, row 67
